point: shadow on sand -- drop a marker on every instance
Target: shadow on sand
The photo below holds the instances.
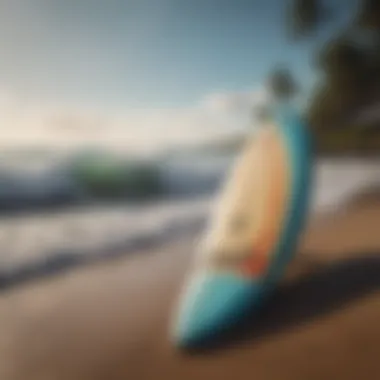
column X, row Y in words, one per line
column 322, row 290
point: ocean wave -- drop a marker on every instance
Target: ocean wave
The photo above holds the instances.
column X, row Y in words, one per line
column 34, row 242
column 99, row 178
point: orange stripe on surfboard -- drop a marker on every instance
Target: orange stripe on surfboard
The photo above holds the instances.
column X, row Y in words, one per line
column 274, row 189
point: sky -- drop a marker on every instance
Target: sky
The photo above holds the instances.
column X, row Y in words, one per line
column 152, row 67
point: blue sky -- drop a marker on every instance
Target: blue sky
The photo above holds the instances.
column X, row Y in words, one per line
column 151, row 65
column 143, row 53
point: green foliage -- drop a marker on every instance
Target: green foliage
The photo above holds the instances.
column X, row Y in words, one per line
column 306, row 17
column 349, row 67
column 104, row 177
column 349, row 139
column 369, row 14
column 282, row 83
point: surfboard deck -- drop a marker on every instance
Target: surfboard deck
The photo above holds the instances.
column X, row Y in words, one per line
column 253, row 233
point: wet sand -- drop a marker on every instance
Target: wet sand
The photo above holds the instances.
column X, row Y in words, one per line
column 110, row 320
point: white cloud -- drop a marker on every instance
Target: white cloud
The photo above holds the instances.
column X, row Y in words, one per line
column 239, row 102
column 35, row 123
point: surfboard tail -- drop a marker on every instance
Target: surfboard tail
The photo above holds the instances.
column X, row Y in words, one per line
column 212, row 302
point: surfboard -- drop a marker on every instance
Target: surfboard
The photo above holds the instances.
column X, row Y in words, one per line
column 253, row 232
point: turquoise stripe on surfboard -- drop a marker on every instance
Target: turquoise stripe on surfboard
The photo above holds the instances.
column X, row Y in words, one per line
column 297, row 137
column 212, row 303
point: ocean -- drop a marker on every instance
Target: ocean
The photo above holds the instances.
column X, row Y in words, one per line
column 53, row 218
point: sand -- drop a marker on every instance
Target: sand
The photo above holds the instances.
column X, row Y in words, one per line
column 110, row 320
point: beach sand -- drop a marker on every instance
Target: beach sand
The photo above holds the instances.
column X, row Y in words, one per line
column 109, row 321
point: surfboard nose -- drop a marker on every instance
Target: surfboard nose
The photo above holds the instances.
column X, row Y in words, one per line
column 212, row 302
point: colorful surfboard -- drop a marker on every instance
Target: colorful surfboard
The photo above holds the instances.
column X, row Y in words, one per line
column 253, row 233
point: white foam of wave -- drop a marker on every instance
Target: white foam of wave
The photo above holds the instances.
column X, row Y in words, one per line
column 90, row 231
column 337, row 181
column 27, row 239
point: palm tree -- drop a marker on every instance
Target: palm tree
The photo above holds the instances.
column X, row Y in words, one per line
column 306, row 17
column 369, row 15
column 281, row 84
